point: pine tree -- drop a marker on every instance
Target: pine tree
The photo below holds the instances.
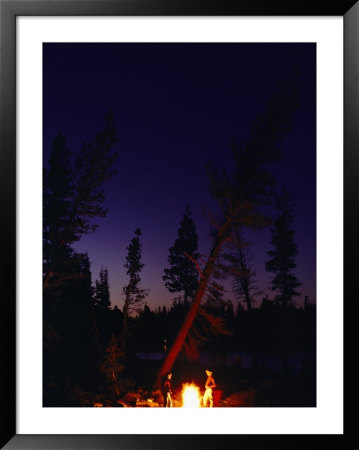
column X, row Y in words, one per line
column 102, row 290
column 239, row 266
column 74, row 195
column 282, row 257
column 73, row 198
column 182, row 276
column 134, row 293
column 57, row 194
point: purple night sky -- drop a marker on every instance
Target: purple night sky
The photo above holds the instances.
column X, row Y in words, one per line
column 177, row 106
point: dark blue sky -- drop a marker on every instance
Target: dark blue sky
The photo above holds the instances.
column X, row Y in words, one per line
column 177, row 106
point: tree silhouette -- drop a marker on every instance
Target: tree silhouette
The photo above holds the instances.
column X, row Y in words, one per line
column 102, row 290
column 282, row 257
column 238, row 266
column 73, row 198
column 182, row 276
column 241, row 195
column 73, row 195
column 134, row 293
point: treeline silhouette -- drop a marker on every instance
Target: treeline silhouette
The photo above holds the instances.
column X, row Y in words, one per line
column 84, row 356
column 270, row 328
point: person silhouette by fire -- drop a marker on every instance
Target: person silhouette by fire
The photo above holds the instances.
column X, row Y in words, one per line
column 209, row 386
column 167, row 387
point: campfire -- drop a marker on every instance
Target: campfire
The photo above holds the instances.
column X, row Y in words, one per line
column 191, row 396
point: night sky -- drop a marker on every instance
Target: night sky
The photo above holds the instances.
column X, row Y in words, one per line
column 177, row 107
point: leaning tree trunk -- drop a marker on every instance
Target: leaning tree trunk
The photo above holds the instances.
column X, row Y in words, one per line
column 182, row 334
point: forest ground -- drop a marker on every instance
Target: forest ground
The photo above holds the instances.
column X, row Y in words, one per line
column 236, row 387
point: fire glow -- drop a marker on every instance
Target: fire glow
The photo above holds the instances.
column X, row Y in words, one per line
column 191, row 397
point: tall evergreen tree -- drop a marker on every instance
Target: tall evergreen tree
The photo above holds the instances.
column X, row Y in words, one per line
column 87, row 276
column 239, row 267
column 282, row 257
column 134, row 293
column 73, row 198
column 57, row 194
column 182, row 276
column 102, row 290
column 74, row 195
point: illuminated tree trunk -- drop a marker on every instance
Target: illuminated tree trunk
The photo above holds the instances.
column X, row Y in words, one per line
column 192, row 312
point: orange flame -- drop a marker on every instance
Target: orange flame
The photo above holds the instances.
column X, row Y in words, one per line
column 191, row 397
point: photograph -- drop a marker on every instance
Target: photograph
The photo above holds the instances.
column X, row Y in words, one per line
column 179, row 224
column 179, row 196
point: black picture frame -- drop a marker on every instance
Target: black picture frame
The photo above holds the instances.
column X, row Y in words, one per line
column 9, row 10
